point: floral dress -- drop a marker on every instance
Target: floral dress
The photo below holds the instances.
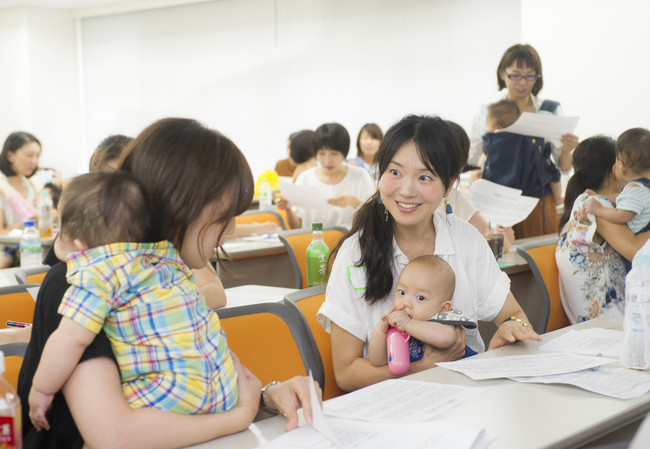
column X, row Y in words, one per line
column 591, row 274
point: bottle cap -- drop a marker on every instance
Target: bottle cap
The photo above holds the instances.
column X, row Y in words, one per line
column 317, row 226
column 29, row 223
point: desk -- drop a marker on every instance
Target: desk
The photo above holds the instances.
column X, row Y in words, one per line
column 519, row 415
column 244, row 295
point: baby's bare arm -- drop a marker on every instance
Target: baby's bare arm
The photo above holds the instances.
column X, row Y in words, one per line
column 438, row 335
column 377, row 353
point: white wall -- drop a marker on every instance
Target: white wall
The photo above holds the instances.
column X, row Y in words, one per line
column 259, row 69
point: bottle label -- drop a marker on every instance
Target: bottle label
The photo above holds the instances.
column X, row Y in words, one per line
column 8, row 432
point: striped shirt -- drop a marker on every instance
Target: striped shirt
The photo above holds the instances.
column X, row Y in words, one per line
column 169, row 345
column 635, row 197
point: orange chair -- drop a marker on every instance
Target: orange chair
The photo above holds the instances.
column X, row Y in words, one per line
column 260, row 216
column 14, row 354
column 270, row 339
column 296, row 243
column 307, row 302
column 16, row 304
column 540, row 255
column 34, row 275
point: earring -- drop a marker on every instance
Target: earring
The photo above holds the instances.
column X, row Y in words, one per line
column 386, row 213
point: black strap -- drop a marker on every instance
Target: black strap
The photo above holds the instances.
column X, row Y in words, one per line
column 549, row 106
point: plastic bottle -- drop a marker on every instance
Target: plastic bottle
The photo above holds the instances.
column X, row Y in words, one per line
column 397, row 347
column 317, row 253
column 45, row 214
column 30, row 246
column 266, row 196
column 636, row 323
column 11, row 436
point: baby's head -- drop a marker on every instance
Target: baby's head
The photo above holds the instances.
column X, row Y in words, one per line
column 100, row 208
column 501, row 115
column 425, row 287
column 633, row 152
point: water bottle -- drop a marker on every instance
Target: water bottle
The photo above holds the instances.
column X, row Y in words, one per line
column 266, row 196
column 30, row 246
column 317, row 253
column 45, row 214
column 636, row 323
column 397, row 347
column 11, row 436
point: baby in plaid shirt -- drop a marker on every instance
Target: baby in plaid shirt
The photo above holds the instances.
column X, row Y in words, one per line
column 169, row 346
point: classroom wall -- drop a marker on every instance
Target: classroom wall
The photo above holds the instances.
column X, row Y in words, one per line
column 259, row 69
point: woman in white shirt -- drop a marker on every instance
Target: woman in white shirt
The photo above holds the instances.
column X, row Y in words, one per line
column 347, row 187
column 418, row 164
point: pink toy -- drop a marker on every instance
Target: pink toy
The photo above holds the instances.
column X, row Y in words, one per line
column 397, row 345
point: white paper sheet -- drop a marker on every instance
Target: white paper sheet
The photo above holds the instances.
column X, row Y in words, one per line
column 360, row 435
column 399, row 400
column 550, row 127
column 304, row 196
column 318, row 418
column 593, row 341
column 619, row 383
column 524, row 365
column 500, row 205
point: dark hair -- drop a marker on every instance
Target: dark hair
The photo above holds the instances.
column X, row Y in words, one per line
column 522, row 55
column 108, row 150
column 504, row 112
column 105, row 207
column 463, row 142
column 438, row 149
column 302, row 145
column 633, row 149
column 13, row 143
column 55, row 193
column 333, row 136
column 373, row 130
column 593, row 159
column 183, row 167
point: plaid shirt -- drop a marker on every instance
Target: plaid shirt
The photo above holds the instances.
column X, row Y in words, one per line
column 169, row 345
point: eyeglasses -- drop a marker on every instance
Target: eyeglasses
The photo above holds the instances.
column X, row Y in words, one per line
column 517, row 77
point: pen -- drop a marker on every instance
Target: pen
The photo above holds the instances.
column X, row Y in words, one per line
column 17, row 324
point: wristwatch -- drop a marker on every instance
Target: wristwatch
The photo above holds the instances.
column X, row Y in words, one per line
column 263, row 404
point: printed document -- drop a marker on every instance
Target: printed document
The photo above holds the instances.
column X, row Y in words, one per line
column 500, row 205
column 550, row 127
column 524, row 365
column 593, row 341
column 304, row 196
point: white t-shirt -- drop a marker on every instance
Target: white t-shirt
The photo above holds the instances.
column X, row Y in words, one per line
column 481, row 287
column 356, row 182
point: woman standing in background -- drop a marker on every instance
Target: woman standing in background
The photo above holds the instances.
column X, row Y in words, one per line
column 520, row 72
column 368, row 142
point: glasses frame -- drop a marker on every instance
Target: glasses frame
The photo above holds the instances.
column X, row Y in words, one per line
column 516, row 77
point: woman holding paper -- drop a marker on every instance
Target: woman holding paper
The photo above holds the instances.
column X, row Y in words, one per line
column 418, row 166
column 520, row 72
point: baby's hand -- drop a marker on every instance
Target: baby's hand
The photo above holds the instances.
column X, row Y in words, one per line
column 399, row 319
column 593, row 205
column 382, row 326
column 38, row 405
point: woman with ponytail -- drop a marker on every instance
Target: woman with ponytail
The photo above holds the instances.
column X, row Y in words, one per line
column 418, row 164
column 591, row 268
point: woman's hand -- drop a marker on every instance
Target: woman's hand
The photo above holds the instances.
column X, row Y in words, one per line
column 250, row 389
column 569, row 142
column 511, row 331
column 291, row 395
column 432, row 355
column 344, row 200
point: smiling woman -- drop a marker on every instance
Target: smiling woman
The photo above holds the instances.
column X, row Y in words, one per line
column 418, row 165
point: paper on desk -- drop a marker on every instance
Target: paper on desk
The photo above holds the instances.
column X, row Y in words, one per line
column 500, row 205
column 593, row 341
column 304, row 196
column 524, row 365
column 618, row 383
column 318, row 418
column 399, row 400
column 550, row 127
column 364, row 435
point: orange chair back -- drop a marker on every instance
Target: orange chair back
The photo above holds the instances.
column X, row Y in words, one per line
column 296, row 243
column 270, row 340
column 12, row 369
column 309, row 305
column 32, row 275
column 261, row 216
column 544, row 266
column 16, row 304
